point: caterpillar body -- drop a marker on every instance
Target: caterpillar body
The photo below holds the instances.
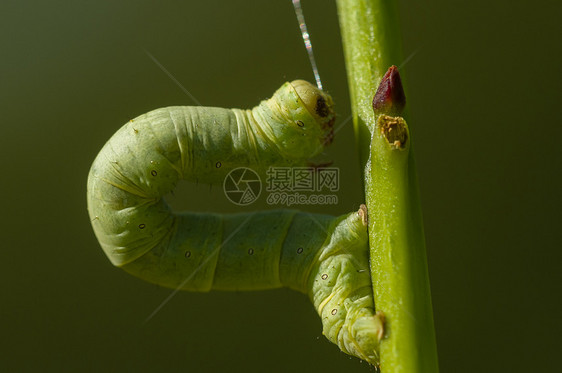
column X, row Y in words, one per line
column 323, row 256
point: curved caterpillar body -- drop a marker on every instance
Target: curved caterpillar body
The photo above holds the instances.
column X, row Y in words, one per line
column 323, row 256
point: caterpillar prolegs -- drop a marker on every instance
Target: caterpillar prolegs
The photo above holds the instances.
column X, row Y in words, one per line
column 323, row 256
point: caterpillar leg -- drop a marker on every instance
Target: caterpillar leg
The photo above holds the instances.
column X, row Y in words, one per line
column 341, row 290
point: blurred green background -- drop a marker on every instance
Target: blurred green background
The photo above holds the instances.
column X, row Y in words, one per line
column 483, row 91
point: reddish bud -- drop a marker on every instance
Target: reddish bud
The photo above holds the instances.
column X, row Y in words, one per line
column 390, row 97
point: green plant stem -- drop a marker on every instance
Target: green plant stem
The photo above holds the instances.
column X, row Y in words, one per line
column 397, row 245
column 371, row 44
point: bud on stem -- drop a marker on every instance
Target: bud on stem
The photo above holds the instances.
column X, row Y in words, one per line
column 390, row 98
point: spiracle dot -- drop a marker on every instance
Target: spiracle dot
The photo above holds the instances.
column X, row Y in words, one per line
column 324, row 276
column 153, row 173
column 251, row 251
column 188, row 254
column 218, row 165
column 300, row 123
column 299, row 250
column 142, row 226
column 334, row 311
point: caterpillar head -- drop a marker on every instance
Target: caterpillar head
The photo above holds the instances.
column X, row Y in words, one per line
column 303, row 119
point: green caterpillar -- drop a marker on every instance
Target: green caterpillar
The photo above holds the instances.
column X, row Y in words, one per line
column 323, row 256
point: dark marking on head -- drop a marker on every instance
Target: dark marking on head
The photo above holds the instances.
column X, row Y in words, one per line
column 142, row 226
column 322, row 109
column 153, row 173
